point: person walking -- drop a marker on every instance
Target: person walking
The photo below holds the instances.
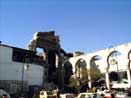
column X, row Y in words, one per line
column 113, row 93
column 58, row 93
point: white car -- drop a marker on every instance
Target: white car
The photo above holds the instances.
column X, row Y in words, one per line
column 67, row 95
column 88, row 95
column 47, row 94
column 121, row 95
column 121, row 85
column 4, row 92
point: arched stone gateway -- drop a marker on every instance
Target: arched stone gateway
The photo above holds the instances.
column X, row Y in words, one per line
column 50, row 43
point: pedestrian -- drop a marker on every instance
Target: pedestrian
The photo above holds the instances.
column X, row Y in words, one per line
column 129, row 91
column 95, row 96
column 58, row 93
column 23, row 96
column 102, row 95
column 113, row 93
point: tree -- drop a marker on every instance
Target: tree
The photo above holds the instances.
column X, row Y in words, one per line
column 72, row 87
column 95, row 74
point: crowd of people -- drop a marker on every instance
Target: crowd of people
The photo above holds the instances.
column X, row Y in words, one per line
column 57, row 92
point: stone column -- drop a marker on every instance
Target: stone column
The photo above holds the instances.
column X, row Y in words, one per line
column 107, row 69
column 107, row 79
column 60, row 71
column 46, row 66
column 129, row 73
column 89, row 83
column 129, row 77
column 89, row 79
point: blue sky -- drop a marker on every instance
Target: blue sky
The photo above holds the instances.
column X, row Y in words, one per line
column 84, row 25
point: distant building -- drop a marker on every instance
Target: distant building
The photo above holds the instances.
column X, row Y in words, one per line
column 78, row 53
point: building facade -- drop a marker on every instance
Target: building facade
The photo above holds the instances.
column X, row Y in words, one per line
column 110, row 60
column 19, row 69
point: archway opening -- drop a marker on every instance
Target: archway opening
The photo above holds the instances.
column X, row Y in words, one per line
column 115, row 75
column 112, row 58
column 70, row 83
column 81, row 74
column 67, row 71
column 95, row 72
column 80, row 69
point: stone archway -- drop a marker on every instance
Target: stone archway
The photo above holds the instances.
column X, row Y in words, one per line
column 67, row 68
column 80, row 68
column 94, row 72
column 81, row 74
column 111, row 60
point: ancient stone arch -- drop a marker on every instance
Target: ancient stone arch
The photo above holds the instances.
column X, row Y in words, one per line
column 67, row 71
column 112, row 58
column 49, row 42
column 79, row 66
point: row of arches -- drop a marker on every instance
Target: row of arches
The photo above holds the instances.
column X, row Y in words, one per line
column 89, row 69
column 110, row 60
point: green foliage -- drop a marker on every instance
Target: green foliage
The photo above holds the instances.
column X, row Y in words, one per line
column 78, row 53
column 84, row 72
column 73, row 82
column 95, row 74
column 72, row 87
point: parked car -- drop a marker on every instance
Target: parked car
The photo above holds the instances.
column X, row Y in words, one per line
column 121, row 85
column 67, row 95
column 107, row 95
column 121, row 95
column 88, row 95
column 47, row 94
column 2, row 92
